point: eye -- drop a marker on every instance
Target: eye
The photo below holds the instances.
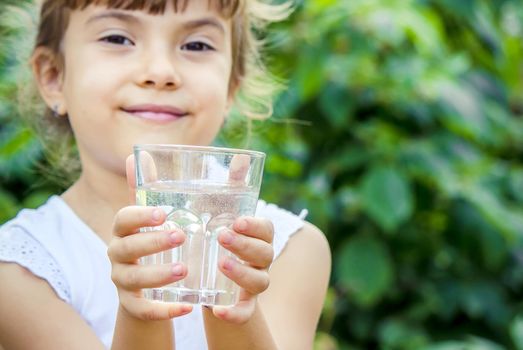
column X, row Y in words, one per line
column 117, row 40
column 197, row 46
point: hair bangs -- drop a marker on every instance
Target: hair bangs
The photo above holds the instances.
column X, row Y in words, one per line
column 227, row 8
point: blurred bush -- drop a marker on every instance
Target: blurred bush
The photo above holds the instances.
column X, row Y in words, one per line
column 405, row 143
column 21, row 184
column 401, row 132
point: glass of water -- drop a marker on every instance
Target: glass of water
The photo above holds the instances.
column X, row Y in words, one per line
column 202, row 190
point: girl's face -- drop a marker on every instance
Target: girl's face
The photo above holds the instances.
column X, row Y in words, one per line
column 132, row 77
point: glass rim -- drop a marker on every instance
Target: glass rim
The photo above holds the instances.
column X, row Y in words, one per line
column 192, row 148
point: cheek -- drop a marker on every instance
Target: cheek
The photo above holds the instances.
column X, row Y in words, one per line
column 88, row 81
column 211, row 89
column 97, row 82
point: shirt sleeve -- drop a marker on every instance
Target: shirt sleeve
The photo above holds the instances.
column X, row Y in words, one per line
column 19, row 247
column 285, row 224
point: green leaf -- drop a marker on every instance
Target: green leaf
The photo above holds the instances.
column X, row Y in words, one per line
column 484, row 300
column 336, row 104
column 309, row 73
column 475, row 343
column 282, row 165
column 516, row 332
column 493, row 248
column 387, row 197
column 36, row 199
column 365, row 269
column 516, row 184
column 399, row 334
column 449, row 345
column 8, row 206
column 508, row 220
column 324, row 341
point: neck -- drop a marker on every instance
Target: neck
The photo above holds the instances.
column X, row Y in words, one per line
column 96, row 199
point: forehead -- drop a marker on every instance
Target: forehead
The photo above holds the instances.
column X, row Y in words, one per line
column 227, row 8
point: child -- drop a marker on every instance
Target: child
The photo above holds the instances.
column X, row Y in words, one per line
column 126, row 72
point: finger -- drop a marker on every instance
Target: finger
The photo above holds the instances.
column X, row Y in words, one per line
column 130, row 248
column 140, row 170
column 238, row 168
column 145, row 169
column 134, row 276
column 254, row 281
column 254, row 227
column 148, row 310
column 130, row 219
column 238, row 314
column 131, row 178
column 256, row 252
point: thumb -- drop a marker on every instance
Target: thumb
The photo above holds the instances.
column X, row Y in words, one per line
column 131, row 178
column 238, row 168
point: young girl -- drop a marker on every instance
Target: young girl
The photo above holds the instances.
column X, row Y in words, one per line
column 122, row 72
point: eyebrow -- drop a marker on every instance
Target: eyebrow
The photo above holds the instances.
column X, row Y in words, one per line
column 126, row 17
column 122, row 16
column 204, row 22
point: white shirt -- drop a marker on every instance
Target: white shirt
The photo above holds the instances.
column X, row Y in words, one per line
column 56, row 245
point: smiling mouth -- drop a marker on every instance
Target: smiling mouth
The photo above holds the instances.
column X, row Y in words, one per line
column 156, row 113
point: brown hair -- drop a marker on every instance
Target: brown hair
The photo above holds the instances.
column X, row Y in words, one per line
column 248, row 73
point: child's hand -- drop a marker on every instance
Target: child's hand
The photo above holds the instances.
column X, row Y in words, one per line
column 127, row 246
column 250, row 240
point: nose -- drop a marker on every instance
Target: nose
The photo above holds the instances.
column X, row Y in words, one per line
column 159, row 72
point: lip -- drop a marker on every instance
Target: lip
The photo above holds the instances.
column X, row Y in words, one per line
column 161, row 113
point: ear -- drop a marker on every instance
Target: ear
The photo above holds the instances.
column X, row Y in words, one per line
column 48, row 72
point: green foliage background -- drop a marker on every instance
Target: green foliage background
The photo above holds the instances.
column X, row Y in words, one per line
column 401, row 131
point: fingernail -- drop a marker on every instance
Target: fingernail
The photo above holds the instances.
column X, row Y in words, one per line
column 228, row 264
column 176, row 238
column 186, row 308
column 177, row 270
column 157, row 214
column 221, row 312
column 227, row 238
column 241, row 224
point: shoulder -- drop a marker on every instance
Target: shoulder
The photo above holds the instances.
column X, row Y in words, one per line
column 293, row 235
column 23, row 288
column 307, row 255
column 312, row 235
column 309, row 243
column 300, row 276
column 282, row 219
column 35, row 220
column 35, row 262
column 53, row 225
column 285, row 224
column 28, row 245
column 22, row 303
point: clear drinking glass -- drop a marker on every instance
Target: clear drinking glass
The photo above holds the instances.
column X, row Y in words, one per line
column 202, row 190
